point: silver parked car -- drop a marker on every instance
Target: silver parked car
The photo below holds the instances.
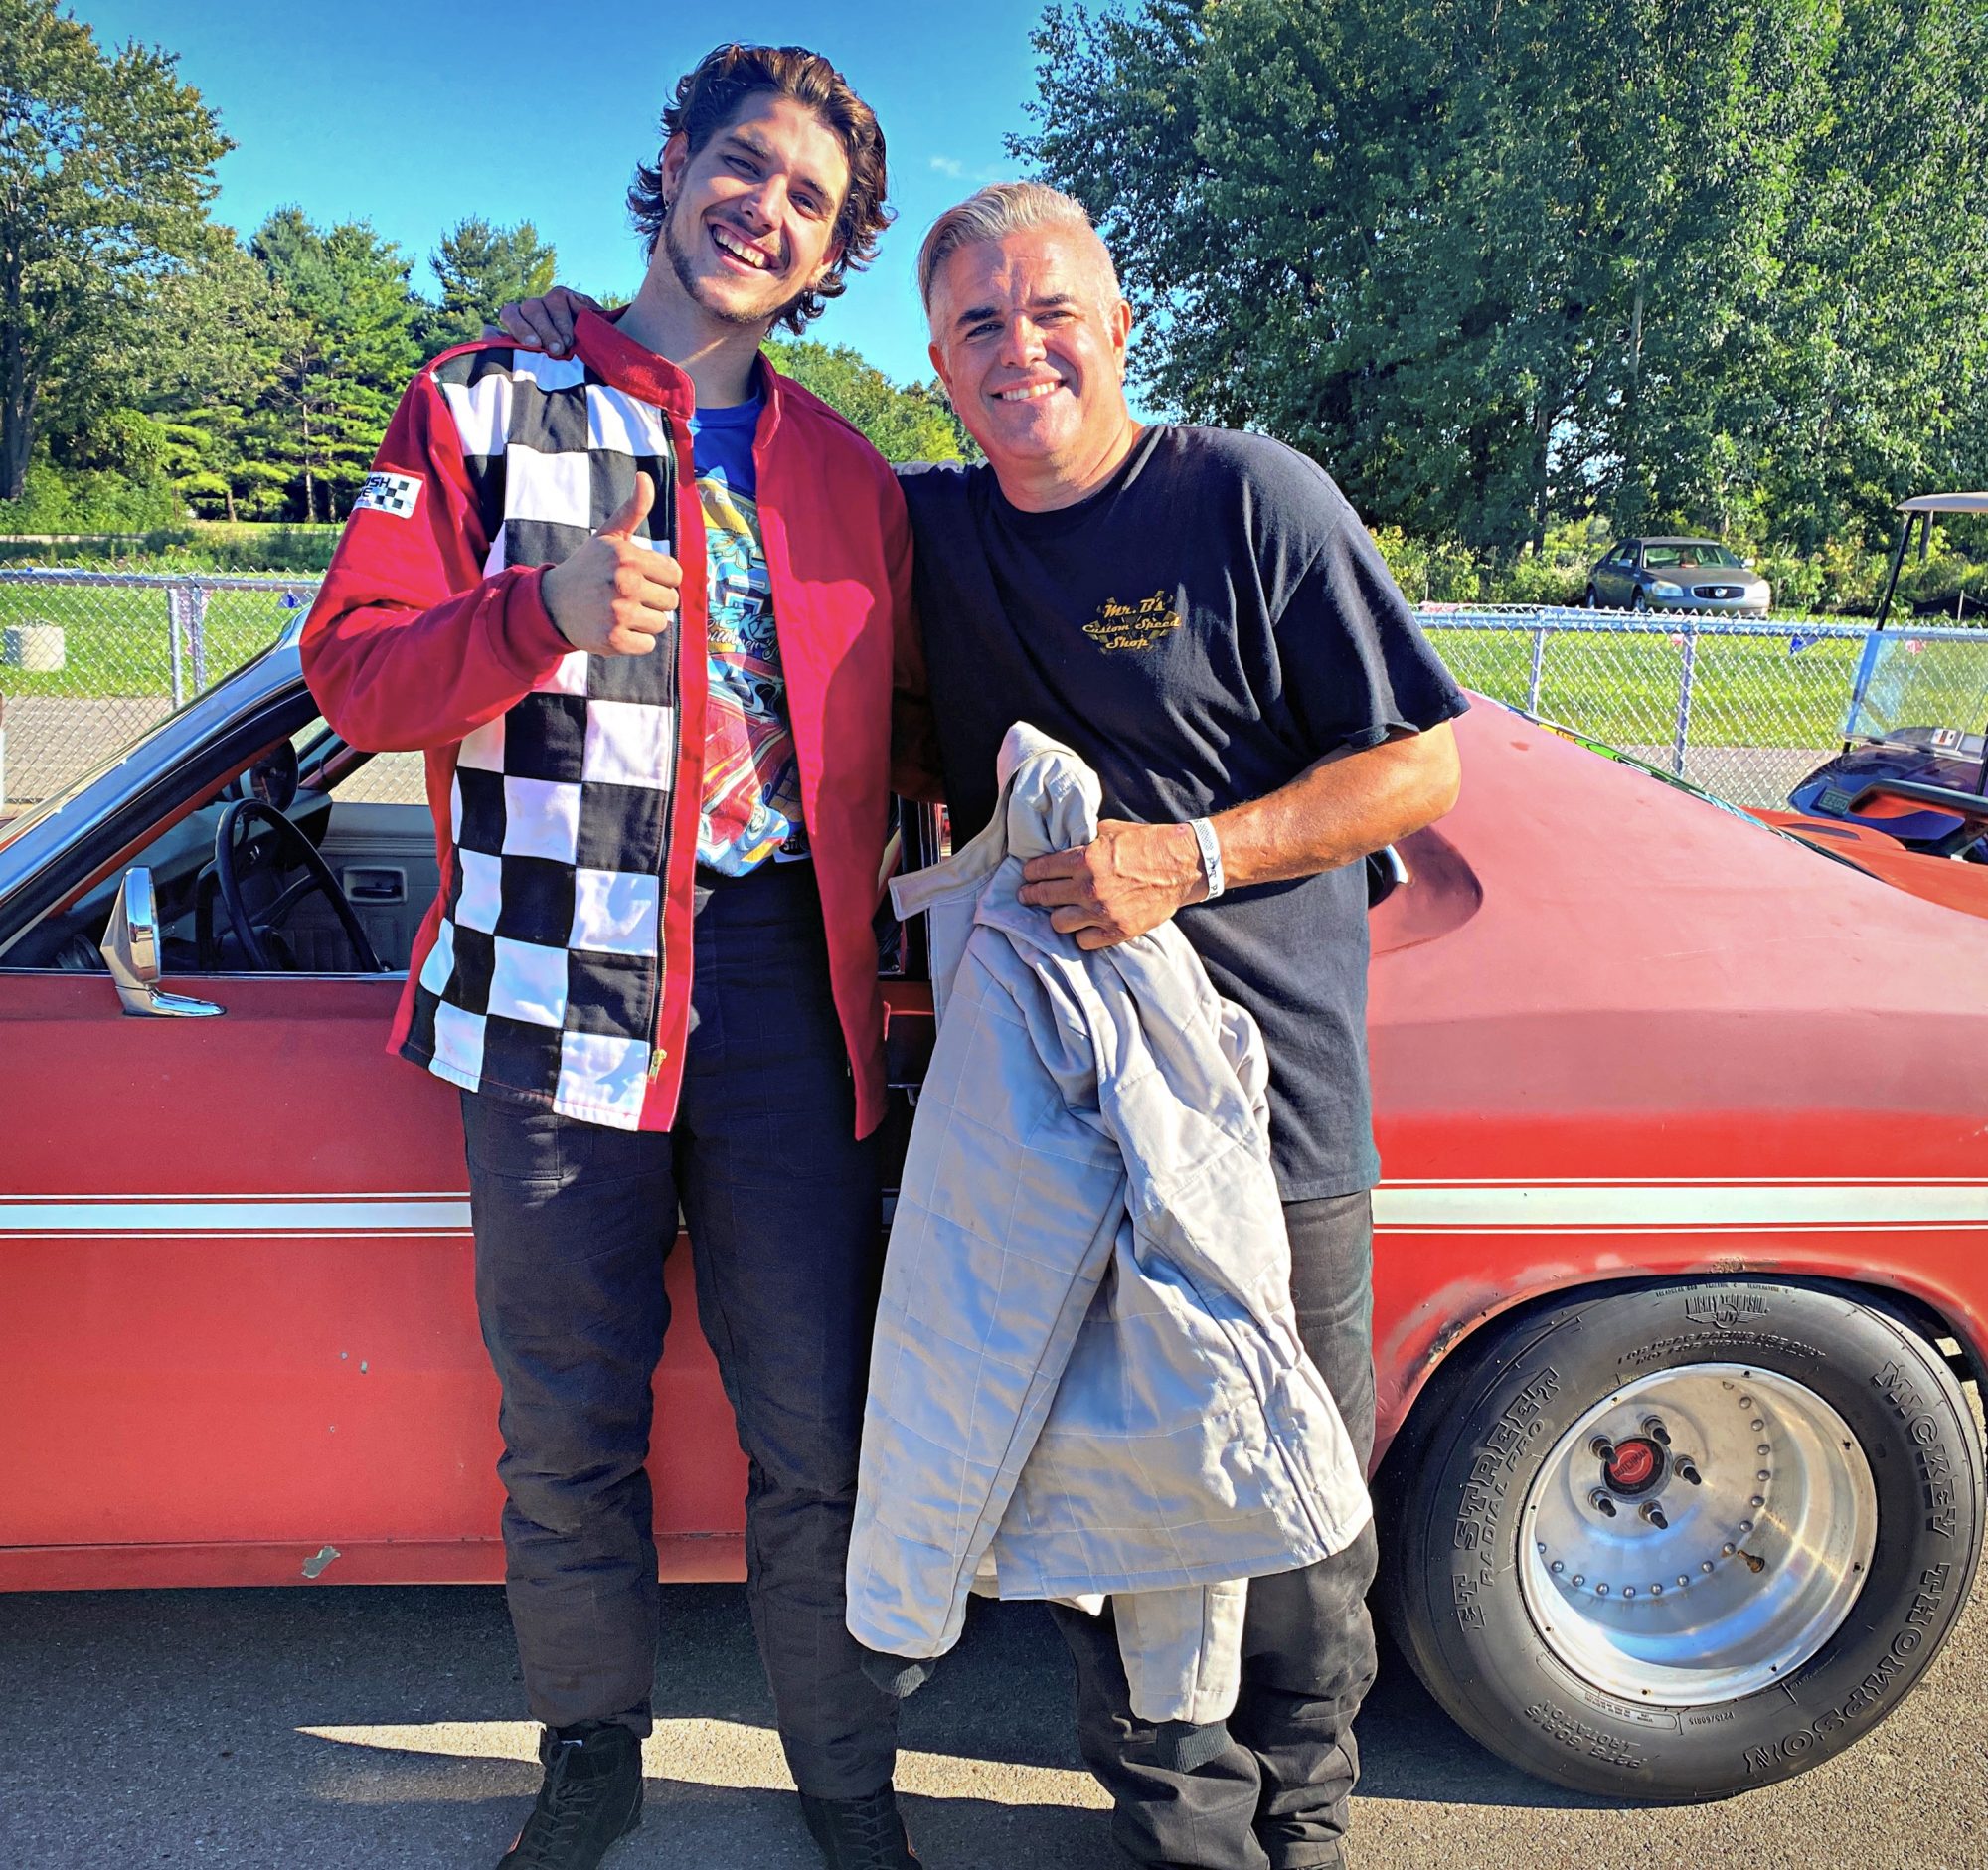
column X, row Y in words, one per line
column 1678, row 575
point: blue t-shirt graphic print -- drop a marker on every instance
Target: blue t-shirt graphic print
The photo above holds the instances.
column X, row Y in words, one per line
column 752, row 807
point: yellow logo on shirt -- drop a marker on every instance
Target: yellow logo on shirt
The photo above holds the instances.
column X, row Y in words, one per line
column 1139, row 624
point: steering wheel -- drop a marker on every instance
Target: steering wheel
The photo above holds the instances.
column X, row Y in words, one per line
column 317, row 875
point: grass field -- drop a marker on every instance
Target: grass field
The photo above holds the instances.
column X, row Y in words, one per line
column 1624, row 688
column 115, row 641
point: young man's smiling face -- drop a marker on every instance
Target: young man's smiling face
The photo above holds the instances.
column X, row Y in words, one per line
column 1029, row 337
column 751, row 221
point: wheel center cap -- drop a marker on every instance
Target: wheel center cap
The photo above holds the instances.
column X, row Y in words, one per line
column 1634, row 1467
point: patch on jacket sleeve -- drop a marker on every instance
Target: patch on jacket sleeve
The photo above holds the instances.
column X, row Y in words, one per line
column 389, row 493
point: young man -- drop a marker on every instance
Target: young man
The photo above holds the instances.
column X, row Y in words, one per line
column 645, row 608
column 1200, row 614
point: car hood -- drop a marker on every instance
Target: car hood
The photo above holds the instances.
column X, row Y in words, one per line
column 1747, row 580
column 1599, row 892
column 1942, row 880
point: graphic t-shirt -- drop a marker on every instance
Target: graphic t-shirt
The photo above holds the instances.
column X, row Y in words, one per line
column 1203, row 628
column 751, row 781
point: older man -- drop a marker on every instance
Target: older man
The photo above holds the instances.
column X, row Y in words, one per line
column 1200, row 615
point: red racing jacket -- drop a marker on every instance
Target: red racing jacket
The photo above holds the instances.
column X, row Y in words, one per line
column 554, row 967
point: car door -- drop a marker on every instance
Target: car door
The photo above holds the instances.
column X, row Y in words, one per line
column 238, row 1337
column 1627, row 567
column 1610, row 579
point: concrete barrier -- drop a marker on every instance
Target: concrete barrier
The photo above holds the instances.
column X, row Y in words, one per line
column 35, row 648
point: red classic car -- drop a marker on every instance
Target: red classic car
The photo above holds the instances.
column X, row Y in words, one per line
column 1682, row 1256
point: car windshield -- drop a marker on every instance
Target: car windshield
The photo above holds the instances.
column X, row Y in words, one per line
column 1690, row 555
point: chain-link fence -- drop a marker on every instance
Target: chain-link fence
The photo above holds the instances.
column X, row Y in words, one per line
column 90, row 659
column 1742, row 709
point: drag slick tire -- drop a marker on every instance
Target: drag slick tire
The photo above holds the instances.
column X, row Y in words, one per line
column 1672, row 1542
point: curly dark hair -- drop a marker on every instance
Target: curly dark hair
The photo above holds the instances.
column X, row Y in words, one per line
column 709, row 100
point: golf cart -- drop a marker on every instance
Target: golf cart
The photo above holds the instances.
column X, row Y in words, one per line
column 1925, row 787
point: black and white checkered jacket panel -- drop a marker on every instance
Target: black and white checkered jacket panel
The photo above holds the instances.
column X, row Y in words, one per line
column 545, row 977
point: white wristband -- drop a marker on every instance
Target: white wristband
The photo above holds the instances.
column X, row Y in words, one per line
column 1211, row 856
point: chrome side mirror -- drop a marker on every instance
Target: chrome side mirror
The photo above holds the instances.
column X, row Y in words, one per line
column 1386, row 873
column 131, row 947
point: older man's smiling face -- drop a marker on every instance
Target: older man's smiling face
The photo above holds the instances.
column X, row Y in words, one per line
column 1029, row 337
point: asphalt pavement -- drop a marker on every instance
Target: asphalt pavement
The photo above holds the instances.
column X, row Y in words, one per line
column 331, row 1728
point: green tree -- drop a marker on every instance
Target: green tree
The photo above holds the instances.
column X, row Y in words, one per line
column 213, row 340
column 912, row 423
column 1497, row 266
column 480, row 267
column 1878, row 331
column 346, row 353
column 106, row 169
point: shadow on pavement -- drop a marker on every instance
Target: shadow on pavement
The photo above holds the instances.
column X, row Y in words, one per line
column 1411, row 1749
column 450, row 1810
column 385, row 1727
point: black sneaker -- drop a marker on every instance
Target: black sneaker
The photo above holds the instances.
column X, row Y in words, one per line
column 591, row 1795
column 860, row 1834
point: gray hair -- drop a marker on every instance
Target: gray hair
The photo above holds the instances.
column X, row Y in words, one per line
column 993, row 213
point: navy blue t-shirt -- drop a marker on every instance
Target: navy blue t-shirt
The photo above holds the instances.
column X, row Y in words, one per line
column 1201, row 629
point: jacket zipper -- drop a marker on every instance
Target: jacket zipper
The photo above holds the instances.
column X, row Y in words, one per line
column 658, row 1053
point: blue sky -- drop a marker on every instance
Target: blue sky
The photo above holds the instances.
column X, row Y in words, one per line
column 413, row 114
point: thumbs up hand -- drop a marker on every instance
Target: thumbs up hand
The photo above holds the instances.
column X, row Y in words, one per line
column 615, row 596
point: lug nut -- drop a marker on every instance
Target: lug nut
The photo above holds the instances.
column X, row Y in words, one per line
column 1602, row 1450
column 1655, row 1515
column 1601, row 1503
column 1653, row 1426
column 1691, row 1473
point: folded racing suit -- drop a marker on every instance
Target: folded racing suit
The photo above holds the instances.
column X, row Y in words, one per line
column 1086, row 1376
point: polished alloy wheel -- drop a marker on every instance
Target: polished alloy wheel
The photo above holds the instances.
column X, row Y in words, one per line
column 1672, row 1588
column 1697, row 1535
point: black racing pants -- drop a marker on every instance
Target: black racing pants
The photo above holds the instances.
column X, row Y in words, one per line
column 573, row 1224
column 1277, row 1795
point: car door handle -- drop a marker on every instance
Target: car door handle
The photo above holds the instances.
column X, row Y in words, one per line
column 375, row 884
